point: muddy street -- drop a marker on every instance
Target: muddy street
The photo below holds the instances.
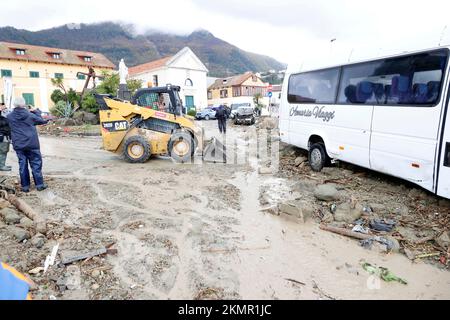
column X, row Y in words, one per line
column 198, row 231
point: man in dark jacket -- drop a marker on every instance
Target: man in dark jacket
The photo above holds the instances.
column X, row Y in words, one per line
column 25, row 141
column 221, row 115
column 5, row 137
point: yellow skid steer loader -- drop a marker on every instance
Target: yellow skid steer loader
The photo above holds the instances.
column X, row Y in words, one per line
column 153, row 123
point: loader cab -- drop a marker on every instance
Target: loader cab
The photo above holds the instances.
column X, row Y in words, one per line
column 165, row 99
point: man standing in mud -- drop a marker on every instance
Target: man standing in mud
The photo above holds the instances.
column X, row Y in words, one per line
column 221, row 116
column 5, row 136
column 25, row 141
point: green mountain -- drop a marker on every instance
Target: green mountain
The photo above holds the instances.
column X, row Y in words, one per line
column 118, row 41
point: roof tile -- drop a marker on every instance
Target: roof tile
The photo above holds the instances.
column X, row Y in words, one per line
column 43, row 54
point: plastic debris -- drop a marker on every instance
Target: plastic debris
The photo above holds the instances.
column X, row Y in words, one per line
column 50, row 260
column 367, row 243
column 359, row 228
column 383, row 273
column 382, row 225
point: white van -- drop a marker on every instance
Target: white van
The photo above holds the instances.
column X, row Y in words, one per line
column 389, row 115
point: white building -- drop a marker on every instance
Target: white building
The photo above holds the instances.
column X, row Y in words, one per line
column 183, row 69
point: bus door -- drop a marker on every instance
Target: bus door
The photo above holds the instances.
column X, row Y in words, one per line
column 406, row 118
column 443, row 182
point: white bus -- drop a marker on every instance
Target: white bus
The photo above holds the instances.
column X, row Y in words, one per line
column 390, row 115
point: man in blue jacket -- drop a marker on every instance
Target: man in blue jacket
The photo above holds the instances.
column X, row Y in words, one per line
column 25, row 142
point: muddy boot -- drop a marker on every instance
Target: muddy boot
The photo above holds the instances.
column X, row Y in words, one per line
column 2, row 161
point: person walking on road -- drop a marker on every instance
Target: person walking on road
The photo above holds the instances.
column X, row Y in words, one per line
column 25, row 141
column 221, row 116
column 5, row 137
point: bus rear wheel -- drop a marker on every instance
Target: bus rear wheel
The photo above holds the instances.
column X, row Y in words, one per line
column 317, row 157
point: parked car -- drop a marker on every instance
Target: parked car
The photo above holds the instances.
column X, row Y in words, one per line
column 48, row 116
column 244, row 115
column 227, row 109
column 235, row 106
column 206, row 114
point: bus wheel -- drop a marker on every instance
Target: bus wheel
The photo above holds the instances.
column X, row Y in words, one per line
column 317, row 157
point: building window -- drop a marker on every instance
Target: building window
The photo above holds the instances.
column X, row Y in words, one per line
column 34, row 74
column 236, row 91
column 188, row 83
column 59, row 76
column 29, row 98
column 87, row 59
column 81, row 76
column 20, row 52
column 155, row 80
column 209, row 95
column 55, row 55
column 6, row 73
column 224, row 93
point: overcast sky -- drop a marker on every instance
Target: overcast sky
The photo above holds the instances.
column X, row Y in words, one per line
column 297, row 32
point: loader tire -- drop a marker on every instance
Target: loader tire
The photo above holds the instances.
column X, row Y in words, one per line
column 137, row 149
column 181, row 147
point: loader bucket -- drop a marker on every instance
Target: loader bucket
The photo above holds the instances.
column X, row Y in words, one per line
column 215, row 152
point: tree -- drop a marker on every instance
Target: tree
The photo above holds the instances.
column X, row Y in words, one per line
column 69, row 97
column 110, row 83
column 89, row 104
column 134, row 84
column 57, row 95
column 73, row 97
column 257, row 100
column 59, row 83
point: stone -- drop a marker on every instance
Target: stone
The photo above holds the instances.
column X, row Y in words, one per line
column 326, row 192
column 408, row 234
column 304, row 185
column 444, row 240
column 348, row 213
column 19, row 233
column 400, row 209
column 378, row 207
column 328, row 217
column 272, row 210
column 26, row 222
column 395, row 244
column 38, row 240
column 10, row 215
column 299, row 160
column 73, row 277
column 263, row 170
column 85, row 117
column 95, row 274
column 444, row 203
column 298, row 209
column 95, row 286
column 417, row 194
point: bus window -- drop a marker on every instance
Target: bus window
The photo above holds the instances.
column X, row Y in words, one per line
column 313, row 87
column 413, row 80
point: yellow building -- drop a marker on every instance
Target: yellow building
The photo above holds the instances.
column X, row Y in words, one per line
column 27, row 70
column 237, row 89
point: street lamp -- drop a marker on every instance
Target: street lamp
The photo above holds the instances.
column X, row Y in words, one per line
column 331, row 45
